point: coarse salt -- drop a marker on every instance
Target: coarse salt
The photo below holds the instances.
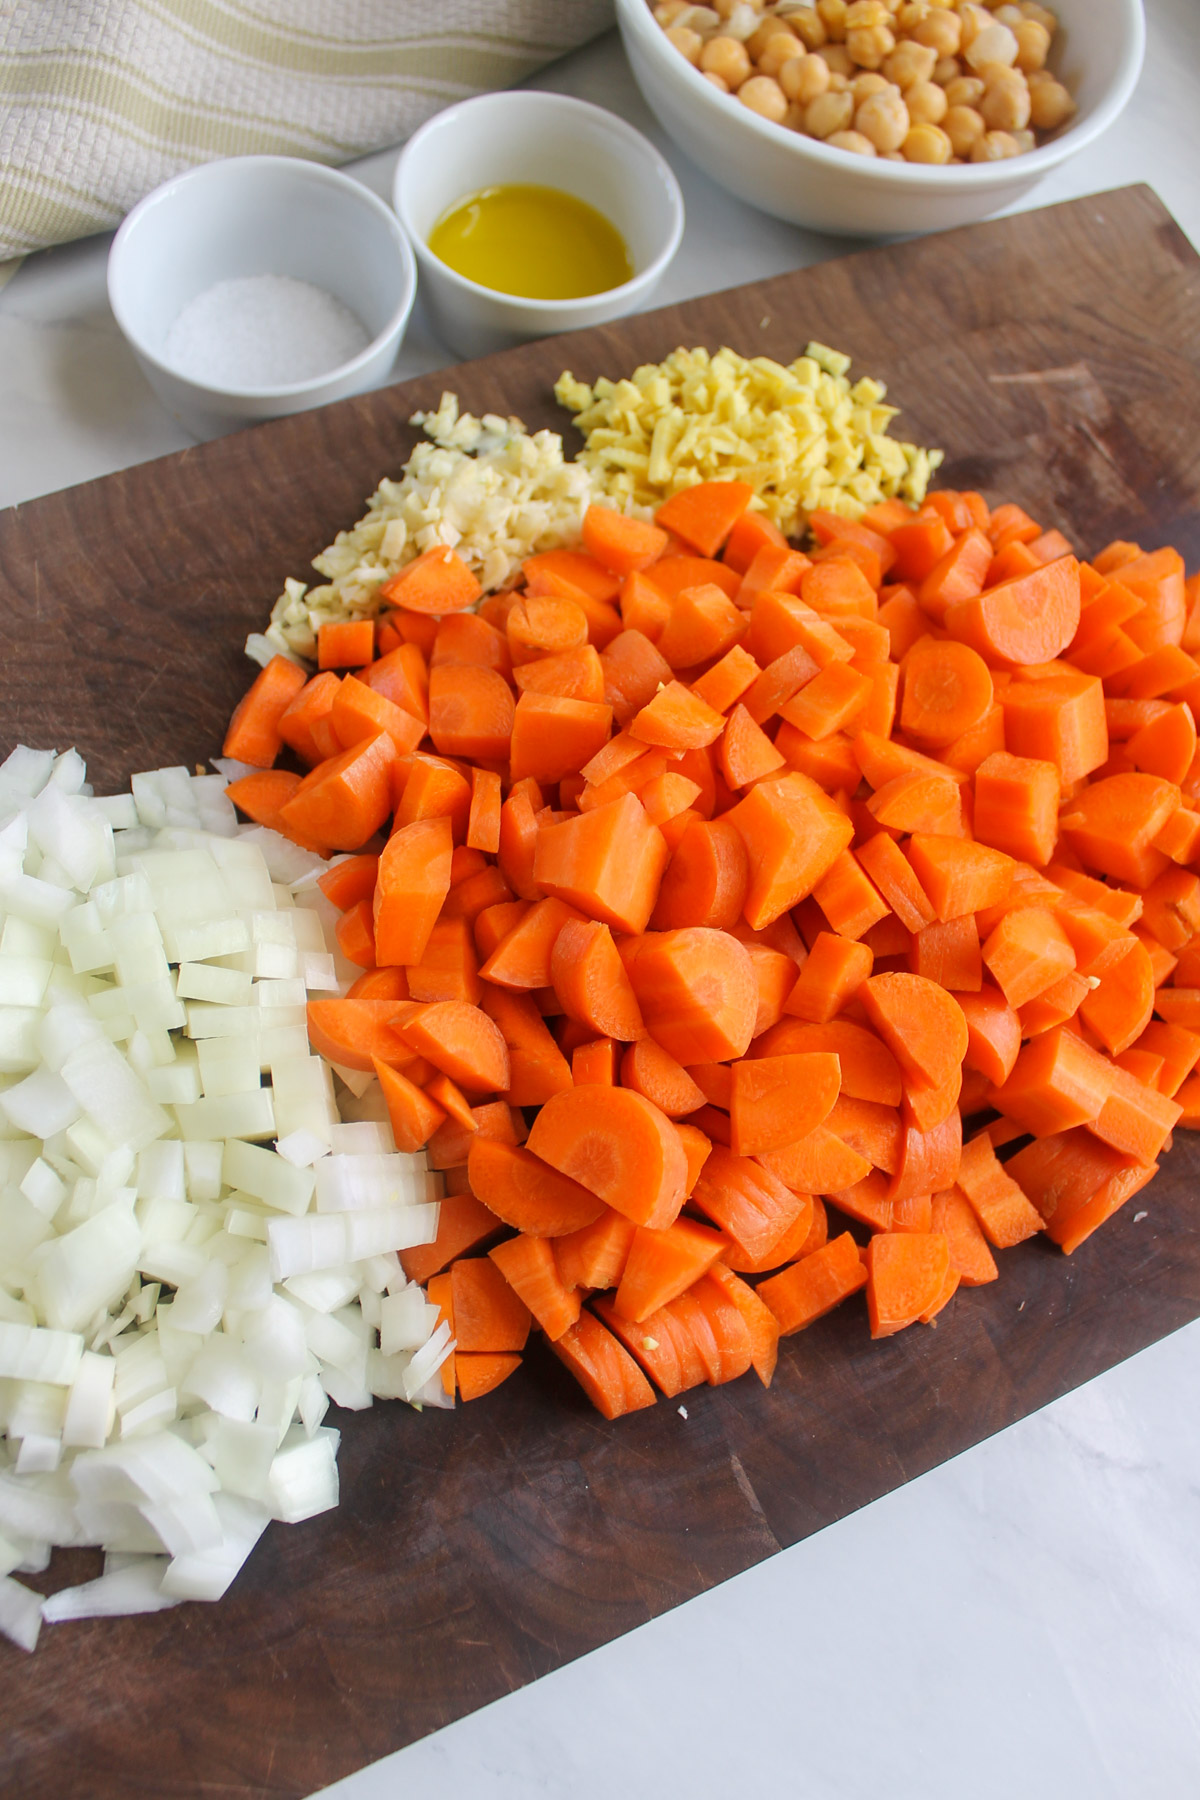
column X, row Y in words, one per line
column 262, row 331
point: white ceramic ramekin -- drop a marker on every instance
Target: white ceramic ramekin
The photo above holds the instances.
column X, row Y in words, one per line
column 259, row 215
column 548, row 140
column 808, row 183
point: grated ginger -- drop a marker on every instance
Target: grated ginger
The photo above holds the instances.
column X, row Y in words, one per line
column 802, row 436
column 486, row 487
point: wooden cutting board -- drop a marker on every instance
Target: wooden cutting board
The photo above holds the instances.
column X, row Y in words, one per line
column 1056, row 356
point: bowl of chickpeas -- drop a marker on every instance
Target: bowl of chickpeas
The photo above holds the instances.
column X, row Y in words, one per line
column 877, row 117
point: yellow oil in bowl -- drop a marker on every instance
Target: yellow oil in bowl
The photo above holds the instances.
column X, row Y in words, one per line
column 536, row 242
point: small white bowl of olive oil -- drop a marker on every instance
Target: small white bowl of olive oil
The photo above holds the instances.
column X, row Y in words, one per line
column 531, row 214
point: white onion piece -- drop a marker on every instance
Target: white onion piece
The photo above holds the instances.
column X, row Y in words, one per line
column 180, row 1296
column 131, row 1589
column 20, row 1613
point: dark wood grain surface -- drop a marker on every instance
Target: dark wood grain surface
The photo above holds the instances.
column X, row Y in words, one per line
column 1056, row 356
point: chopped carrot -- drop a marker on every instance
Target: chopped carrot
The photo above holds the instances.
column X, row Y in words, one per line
column 414, row 1116
column 704, row 515
column 661, row 1265
column 651, row 1071
column 606, row 1372
column 464, row 1223
column 479, row 1372
column 869, row 1070
column 619, row 1146
column 905, row 1276
column 591, row 981
column 461, row 1041
column 594, row 1255
column 808, row 1289
column 346, row 798
column 525, row 1193
column 437, row 581
column 253, row 735
column 777, row 1100
column 747, row 1202
column 621, row 544
column 528, row 1266
column 488, row 1314
column 1001, row 1207
column 608, row 863
column 697, row 993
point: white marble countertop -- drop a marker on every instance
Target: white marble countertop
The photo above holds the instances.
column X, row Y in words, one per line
column 1025, row 1618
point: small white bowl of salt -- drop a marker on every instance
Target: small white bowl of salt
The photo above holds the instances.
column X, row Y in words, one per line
column 260, row 285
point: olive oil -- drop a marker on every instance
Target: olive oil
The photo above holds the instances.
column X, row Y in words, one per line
column 536, row 242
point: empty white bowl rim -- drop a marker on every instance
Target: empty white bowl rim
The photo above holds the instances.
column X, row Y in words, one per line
column 557, row 103
column 335, row 179
column 970, row 177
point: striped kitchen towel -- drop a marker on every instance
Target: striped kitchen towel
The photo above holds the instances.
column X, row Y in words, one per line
column 100, row 100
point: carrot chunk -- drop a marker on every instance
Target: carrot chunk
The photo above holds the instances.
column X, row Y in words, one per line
column 697, row 993
column 619, row 1146
column 604, row 1370
column 905, row 1276
column 807, row 1290
column 777, row 1100
column 488, row 1314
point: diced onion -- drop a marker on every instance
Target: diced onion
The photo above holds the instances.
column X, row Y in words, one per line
column 197, row 1252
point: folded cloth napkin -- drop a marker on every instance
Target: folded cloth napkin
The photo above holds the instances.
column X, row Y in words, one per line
column 100, row 100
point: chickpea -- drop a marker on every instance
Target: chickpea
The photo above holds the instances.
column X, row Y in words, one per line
column 702, row 19
column 1006, row 104
column 838, row 84
column 973, row 19
column 805, row 78
column 1050, row 105
column 688, row 43
column 869, row 44
column 1033, row 45
column 884, row 119
column 808, row 27
column 828, row 113
column 865, row 15
column 941, row 30
column 1012, row 16
column 1042, row 14
column 863, row 86
column 994, row 146
column 1026, row 140
column 666, row 14
column 910, row 64
column 926, row 144
column 725, row 9
column 912, row 15
column 994, row 44
column 852, row 140
column 964, row 127
column 966, row 91
column 725, row 57
column 717, row 81
column 780, row 49
column 833, row 17
column 761, row 36
column 765, row 97
column 946, row 69
column 838, row 58
column 926, row 103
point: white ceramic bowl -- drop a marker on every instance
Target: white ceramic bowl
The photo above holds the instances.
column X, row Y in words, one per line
column 801, row 180
column 548, row 140
column 259, row 215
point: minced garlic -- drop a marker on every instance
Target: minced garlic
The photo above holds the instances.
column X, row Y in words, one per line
column 485, row 486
